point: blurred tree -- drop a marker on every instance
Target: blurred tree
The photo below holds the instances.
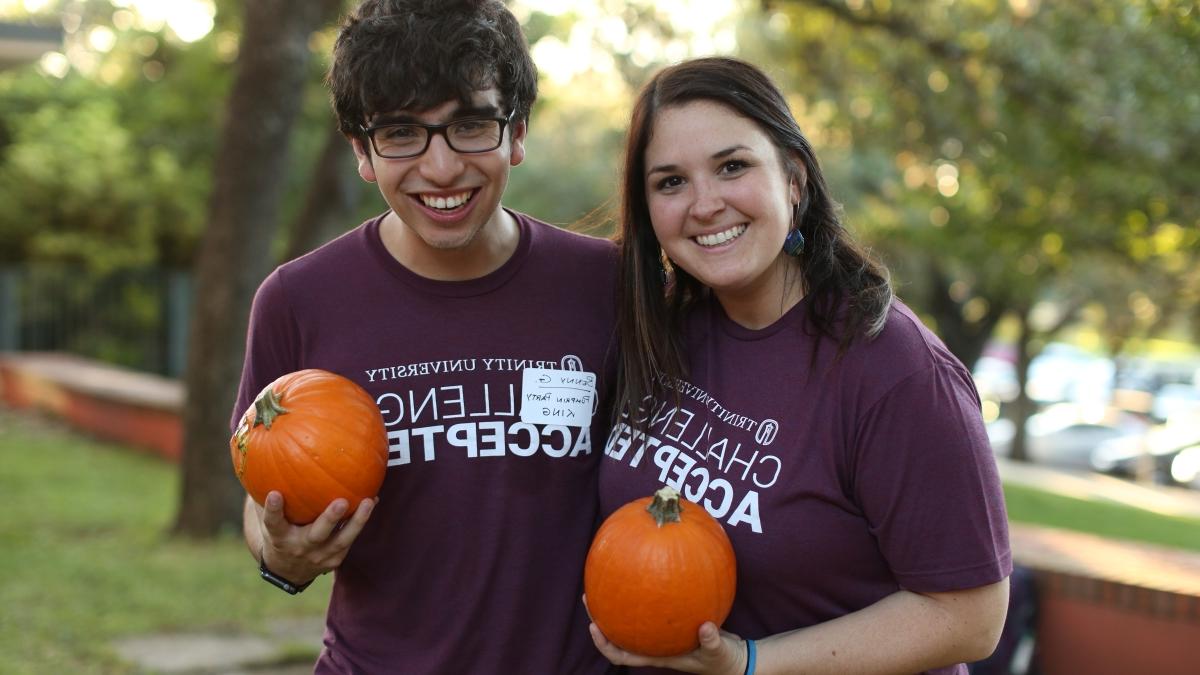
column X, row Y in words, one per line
column 325, row 197
column 101, row 165
column 249, row 179
column 572, row 151
column 992, row 142
column 105, row 163
column 577, row 129
column 99, row 201
column 996, row 149
column 334, row 193
column 164, row 94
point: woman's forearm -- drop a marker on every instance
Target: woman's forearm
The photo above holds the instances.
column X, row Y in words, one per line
column 905, row 632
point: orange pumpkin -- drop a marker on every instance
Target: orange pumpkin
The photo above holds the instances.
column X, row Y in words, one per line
column 658, row 568
column 313, row 436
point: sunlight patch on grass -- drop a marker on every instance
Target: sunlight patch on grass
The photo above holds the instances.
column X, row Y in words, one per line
column 1029, row 505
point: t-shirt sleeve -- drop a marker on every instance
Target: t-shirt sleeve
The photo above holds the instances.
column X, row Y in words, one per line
column 272, row 344
column 927, row 482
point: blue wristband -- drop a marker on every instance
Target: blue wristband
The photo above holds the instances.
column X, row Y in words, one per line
column 751, row 653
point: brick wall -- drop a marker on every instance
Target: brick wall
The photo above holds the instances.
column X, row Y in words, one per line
column 115, row 404
column 1108, row 607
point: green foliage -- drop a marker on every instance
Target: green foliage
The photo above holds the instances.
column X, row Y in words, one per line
column 569, row 176
column 1009, row 148
column 1023, row 156
column 86, row 562
column 572, row 170
column 72, row 189
column 127, row 142
column 112, row 175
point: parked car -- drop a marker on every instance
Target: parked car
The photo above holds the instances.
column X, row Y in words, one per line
column 1066, row 434
column 1176, row 400
column 995, row 379
column 1063, row 372
column 1157, row 449
column 1185, row 467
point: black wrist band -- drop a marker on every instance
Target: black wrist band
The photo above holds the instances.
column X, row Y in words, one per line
column 278, row 581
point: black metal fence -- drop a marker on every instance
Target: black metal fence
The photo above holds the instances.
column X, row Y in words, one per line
column 136, row 318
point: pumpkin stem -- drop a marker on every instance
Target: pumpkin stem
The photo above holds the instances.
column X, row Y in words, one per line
column 243, row 430
column 267, row 408
column 665, row 506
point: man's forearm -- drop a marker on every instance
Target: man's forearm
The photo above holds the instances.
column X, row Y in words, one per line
column 250, row 529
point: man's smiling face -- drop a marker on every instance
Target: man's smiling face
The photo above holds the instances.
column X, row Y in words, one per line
column 443, row 197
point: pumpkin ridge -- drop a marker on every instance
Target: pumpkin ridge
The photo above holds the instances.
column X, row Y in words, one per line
column 289, row 474
column 343, row 425
column 342, row 415
column 344, row 429
column 277, row 451
column 339, row 418
column 336, row 480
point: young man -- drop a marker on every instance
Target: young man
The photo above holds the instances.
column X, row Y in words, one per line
column 457, row 315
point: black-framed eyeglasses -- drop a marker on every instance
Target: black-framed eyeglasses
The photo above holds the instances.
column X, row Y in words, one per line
column 470, row 135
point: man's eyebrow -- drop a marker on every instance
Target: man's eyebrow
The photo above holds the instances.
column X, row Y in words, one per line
column 476, row 111
column 460, row 113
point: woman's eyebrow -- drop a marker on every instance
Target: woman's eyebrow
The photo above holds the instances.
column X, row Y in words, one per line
column 720, row 154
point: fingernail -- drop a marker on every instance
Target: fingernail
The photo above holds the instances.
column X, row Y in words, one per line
column 273, row 499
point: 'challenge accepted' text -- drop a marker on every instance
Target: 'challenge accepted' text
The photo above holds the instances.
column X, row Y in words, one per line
column 419, row 420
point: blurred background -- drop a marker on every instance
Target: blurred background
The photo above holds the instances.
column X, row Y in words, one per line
column 1028, row 169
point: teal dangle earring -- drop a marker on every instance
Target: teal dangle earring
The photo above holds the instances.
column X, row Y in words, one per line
column 793, row 244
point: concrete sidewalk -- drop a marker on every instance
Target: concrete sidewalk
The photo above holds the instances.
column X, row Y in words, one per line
column 288, row 647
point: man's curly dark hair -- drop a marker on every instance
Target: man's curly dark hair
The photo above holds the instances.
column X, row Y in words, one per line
column 417, row 54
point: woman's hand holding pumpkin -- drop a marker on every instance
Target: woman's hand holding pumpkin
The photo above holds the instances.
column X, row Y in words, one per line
column 719, row 653
column 300, row 553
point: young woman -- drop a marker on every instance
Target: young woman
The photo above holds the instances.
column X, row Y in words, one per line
column 771, row 377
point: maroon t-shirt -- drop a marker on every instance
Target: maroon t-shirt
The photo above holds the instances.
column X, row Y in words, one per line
column 472, row 560
column 838, row 481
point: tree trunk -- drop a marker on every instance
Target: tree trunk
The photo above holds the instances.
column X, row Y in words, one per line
column 1022, row 405
column 334, row 193
column 965, row 339
column 249, row 175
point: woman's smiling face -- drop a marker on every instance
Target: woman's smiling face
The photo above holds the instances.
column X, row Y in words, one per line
column 719, row 199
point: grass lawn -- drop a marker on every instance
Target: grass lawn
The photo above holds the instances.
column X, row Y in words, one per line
column 85, row 558
column 1030, row 505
